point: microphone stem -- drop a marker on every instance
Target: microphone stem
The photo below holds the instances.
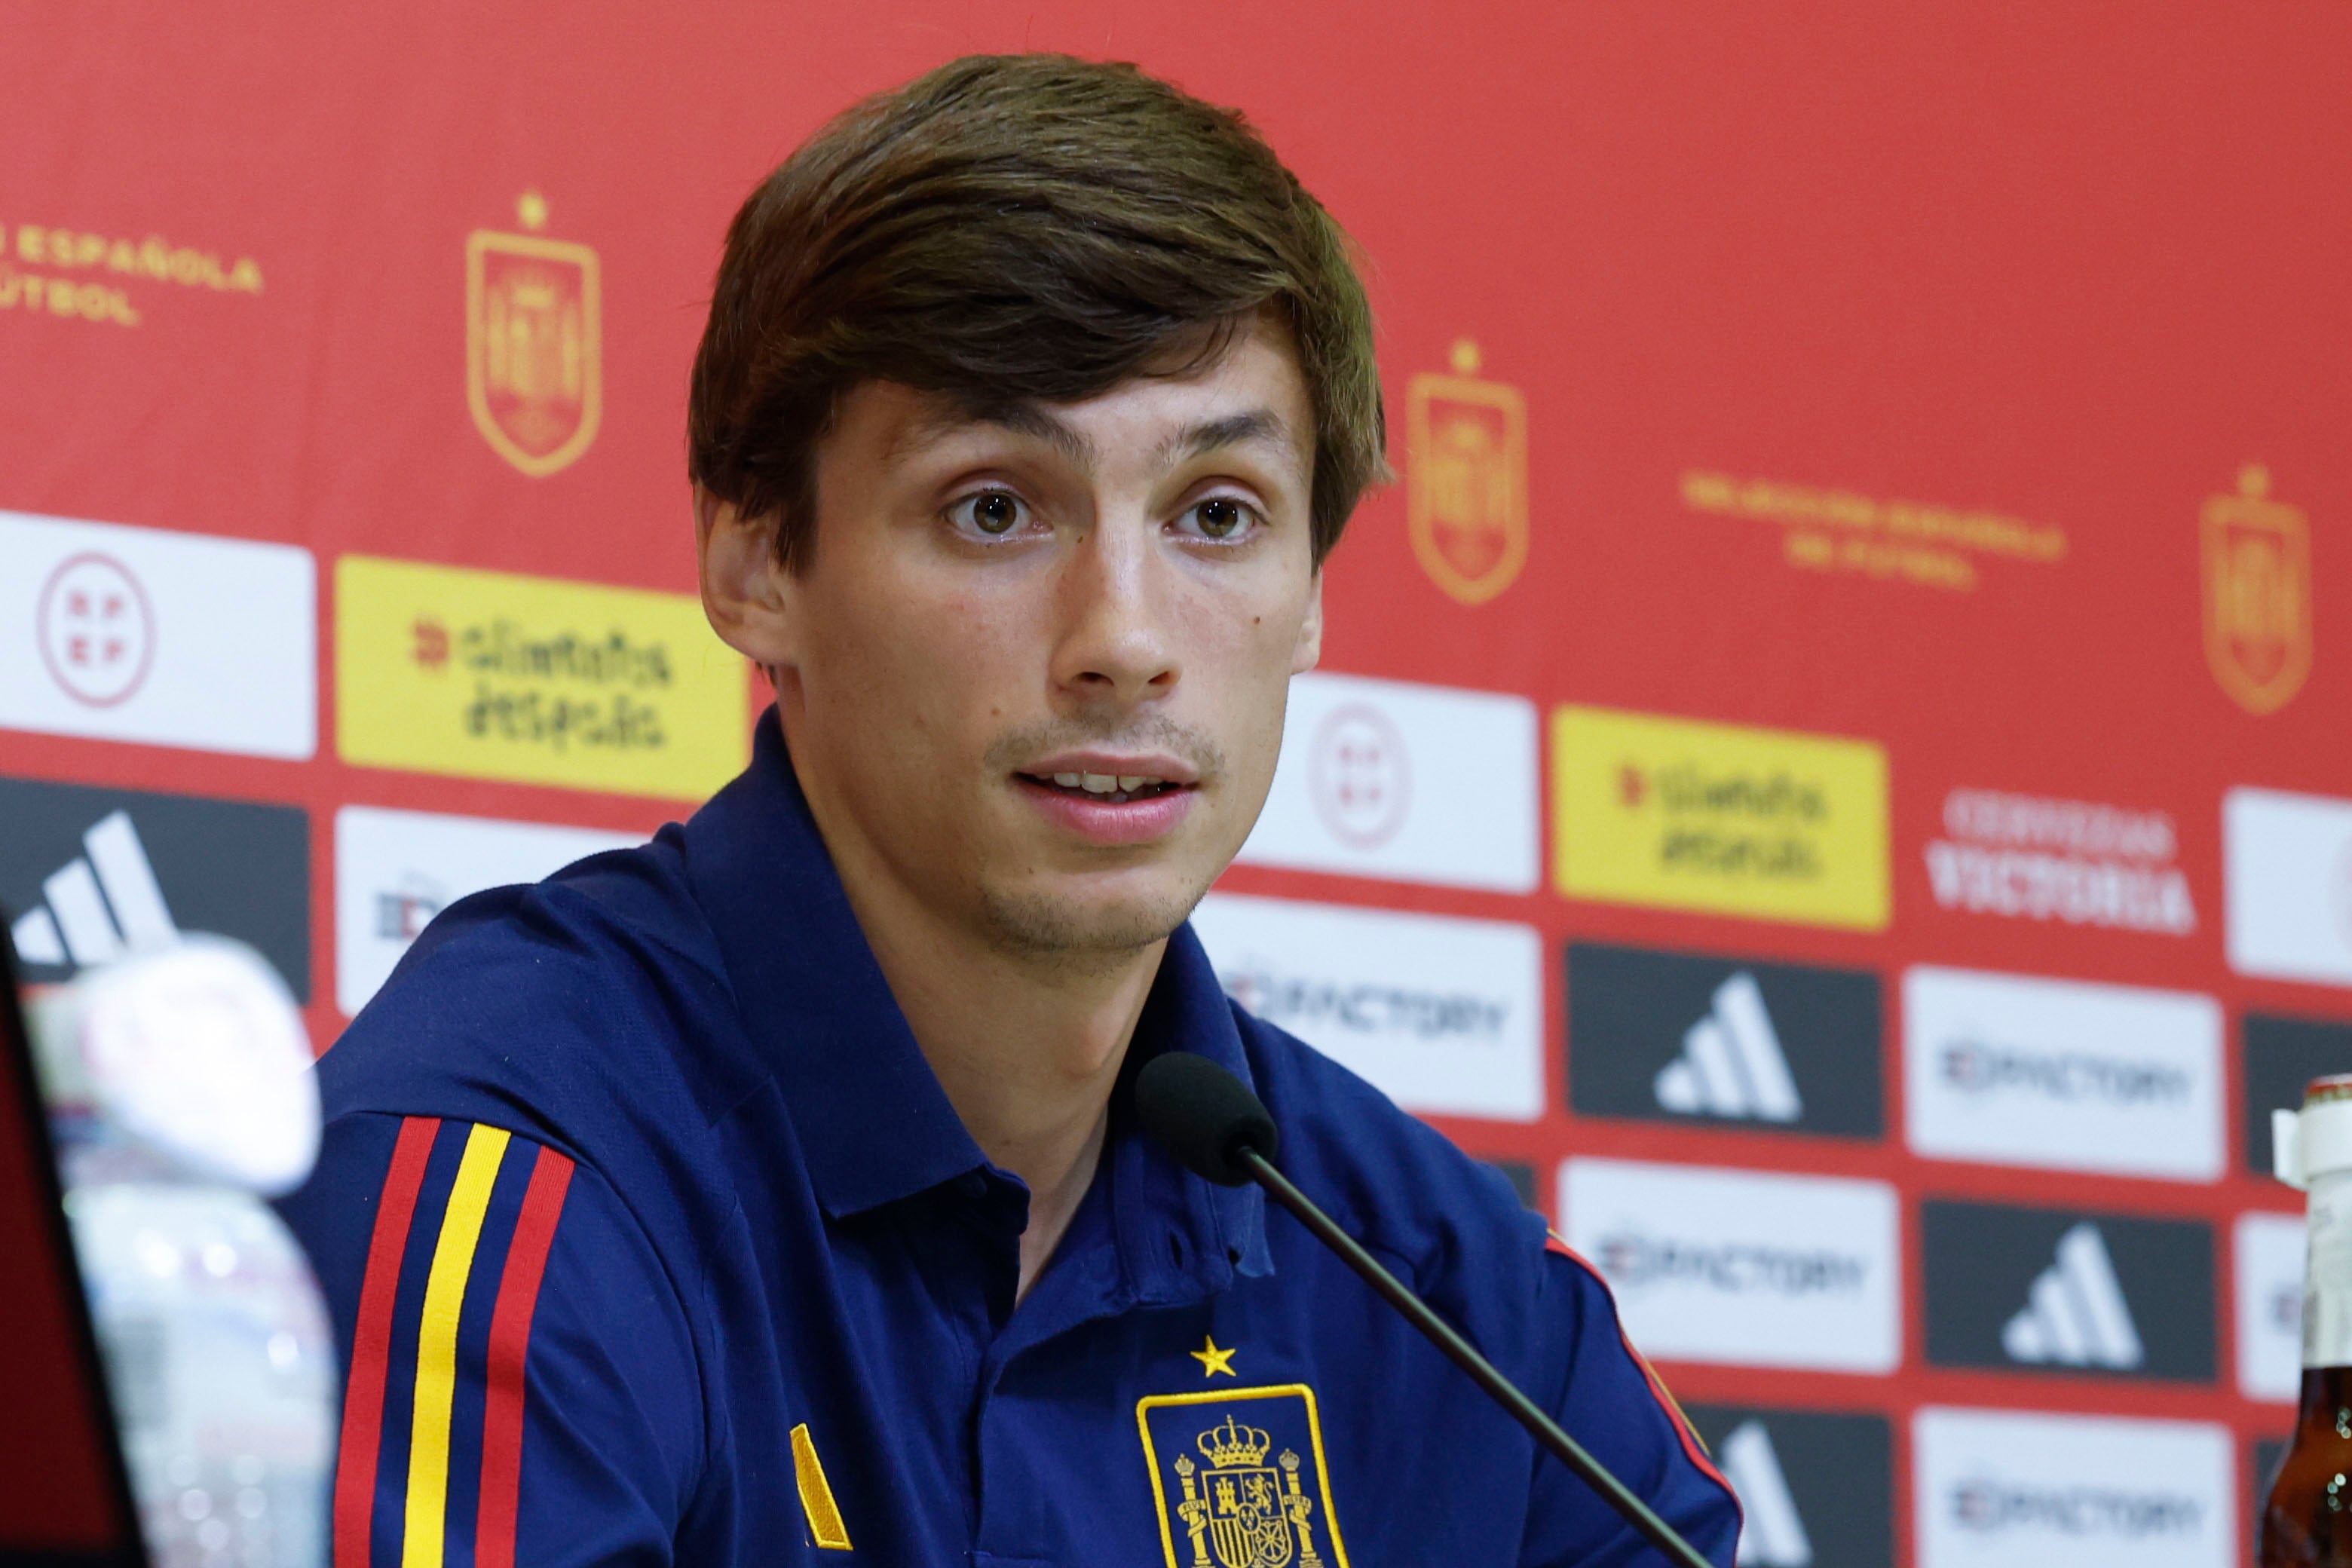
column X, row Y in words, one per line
column 1461, row 1353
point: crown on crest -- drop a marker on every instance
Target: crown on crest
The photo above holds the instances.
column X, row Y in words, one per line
column 1233, row 1445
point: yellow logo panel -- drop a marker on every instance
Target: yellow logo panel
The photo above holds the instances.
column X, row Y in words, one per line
column 1722, row 818
column 439, row 670
column 1240, row 1479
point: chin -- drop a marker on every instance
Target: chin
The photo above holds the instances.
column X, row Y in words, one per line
column 1085, row 922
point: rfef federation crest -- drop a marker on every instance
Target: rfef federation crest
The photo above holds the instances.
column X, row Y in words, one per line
column 1240, row 1479
column 2257, row 594
column 534, row 372
column 1466, row 479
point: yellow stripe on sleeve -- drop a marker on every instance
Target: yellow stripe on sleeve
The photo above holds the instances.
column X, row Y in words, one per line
column 436, row 1347
column 816, row 1496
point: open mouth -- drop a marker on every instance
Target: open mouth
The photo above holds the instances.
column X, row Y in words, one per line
column 1104, row 789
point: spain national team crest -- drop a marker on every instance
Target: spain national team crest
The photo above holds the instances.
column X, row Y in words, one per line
column 534, row 372
column 2257, row 594
column 1240, row 1479
column 1466, row 479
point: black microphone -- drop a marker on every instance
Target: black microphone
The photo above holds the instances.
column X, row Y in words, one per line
column 1218, row 1129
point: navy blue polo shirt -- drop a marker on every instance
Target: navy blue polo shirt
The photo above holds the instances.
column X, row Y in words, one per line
column 650, row 1238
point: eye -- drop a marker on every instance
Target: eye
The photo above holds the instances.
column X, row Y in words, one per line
column 1222, row 518
column 992, row 514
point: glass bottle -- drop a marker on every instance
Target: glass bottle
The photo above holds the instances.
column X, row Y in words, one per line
column 2307, row 1521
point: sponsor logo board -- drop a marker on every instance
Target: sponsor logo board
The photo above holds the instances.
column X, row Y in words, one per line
column 164, row 638
column 2064, row 1074
column 2062, row 1292
column 1443, row 1016
column 1719, row 818
column 2279, row 1058
column 90, row 875
column 534, row 360
column 1674, row 1037
column 440, row 669
column 395, row 870
column 1747, row 1268
column 1415, row 784
column 2020, row 857
column 1466, row 479
column 2269, row 1250
column 2287, row 867
column 1815, row 1489
column 2017, row 1490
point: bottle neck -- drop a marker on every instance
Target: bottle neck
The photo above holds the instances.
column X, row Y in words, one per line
column 2327, row 1273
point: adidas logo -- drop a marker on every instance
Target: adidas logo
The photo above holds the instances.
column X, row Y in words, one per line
column 1732, row 1063
column 2077, row 1315
column 1771, row 1535
column 100, row 906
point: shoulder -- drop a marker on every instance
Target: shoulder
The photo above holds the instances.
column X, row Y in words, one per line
column 587, row 1011
column 1388, row 1178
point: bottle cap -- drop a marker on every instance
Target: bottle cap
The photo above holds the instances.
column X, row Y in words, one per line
column 2317, row 1140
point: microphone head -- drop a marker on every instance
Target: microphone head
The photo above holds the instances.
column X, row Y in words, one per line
column 1203, row 1115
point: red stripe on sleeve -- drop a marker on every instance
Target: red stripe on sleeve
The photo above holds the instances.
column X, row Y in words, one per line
column 542, row 1205
column 1692, row 1448
column 372, row 1342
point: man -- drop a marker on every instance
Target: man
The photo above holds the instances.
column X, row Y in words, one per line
column 768, row 1192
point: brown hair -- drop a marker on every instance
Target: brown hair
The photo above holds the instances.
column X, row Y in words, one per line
column 1019, row 227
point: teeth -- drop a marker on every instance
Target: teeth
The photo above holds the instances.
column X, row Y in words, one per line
column 1132, row 781
column 1067, row 781
column 1098, row 784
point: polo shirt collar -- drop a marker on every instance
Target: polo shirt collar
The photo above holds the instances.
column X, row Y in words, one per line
column 875, row 1125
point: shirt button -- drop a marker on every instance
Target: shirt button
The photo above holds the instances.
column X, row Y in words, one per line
column 973, row 1183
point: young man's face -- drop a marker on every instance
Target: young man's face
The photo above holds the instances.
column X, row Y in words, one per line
column 1036, row 669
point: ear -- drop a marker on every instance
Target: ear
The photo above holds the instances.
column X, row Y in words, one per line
column 1309, row 650
column 744, row 589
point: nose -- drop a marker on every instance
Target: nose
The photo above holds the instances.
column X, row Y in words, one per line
column 1117, row 645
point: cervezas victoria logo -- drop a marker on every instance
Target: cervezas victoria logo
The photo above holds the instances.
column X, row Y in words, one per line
column 2257, row 594
column 534, row 372
column 2079, row 862
column 1466, row 479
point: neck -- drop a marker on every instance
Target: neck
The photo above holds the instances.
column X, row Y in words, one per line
column 1027, row 1046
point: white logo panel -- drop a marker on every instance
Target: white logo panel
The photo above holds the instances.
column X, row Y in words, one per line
column 2287, row 865
column 1415, row 784
column 395, row 870
column 2010, row 1490
column 1749, row 1267
column 145, row 635
column 2064, row 1074
column 2269, row 1250
column 1443, row 1016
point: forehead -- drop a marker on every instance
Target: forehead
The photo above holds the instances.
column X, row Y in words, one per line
column 1250, row 394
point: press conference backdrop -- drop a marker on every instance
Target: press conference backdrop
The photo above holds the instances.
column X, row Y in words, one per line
column 1832, row 764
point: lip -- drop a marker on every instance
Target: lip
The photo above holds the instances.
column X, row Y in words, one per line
column 1105, row 821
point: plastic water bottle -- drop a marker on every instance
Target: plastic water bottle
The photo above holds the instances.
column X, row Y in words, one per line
column 180, row 1093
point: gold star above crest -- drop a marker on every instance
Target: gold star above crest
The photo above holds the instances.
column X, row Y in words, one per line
column 1213, row 1360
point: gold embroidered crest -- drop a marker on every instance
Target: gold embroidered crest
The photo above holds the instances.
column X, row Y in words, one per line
column 1466, row 479
column 534, row 353
column 1239, row 1478
column 2257, row 594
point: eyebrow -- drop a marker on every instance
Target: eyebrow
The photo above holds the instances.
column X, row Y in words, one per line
column 1024, row 418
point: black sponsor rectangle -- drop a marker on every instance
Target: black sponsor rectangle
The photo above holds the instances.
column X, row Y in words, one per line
column 2281, row 1056
column 1834, row 1504
column 1690, row 1037
column 2067, row 1291
column 81, row 867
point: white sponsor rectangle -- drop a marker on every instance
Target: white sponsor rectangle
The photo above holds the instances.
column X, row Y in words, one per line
column 168, row 638
column 1747, row 1267
column 1443, row 1016
column 2287, row 884
column 2017, row 1490
column 1415, row 784
column 2269, row 1248
column 396, row 869
column 2067, row 1075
